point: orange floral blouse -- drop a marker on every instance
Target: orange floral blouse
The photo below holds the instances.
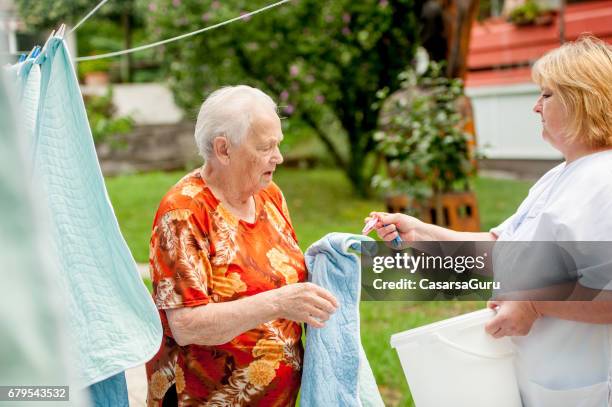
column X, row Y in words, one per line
column 201, row 253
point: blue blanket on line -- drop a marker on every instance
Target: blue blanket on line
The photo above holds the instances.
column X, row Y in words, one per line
column 112, row 320
column 336, row 370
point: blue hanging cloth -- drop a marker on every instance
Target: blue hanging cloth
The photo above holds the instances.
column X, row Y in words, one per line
column 336, row 370
column 112, row 320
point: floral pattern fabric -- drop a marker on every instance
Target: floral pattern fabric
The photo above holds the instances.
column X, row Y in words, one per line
column 201, row 253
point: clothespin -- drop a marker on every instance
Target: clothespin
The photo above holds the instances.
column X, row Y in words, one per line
column 25, row 57
column 36, row 51
column 44, row 48
column 61, row 31
column 371, row 224
column 31, row 53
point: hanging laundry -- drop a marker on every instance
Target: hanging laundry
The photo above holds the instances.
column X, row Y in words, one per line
column 112, row 320
column 34, row 346
column 26, row 78
column 336, row 370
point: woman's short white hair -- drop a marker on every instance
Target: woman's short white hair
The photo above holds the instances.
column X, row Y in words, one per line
column 228, row 112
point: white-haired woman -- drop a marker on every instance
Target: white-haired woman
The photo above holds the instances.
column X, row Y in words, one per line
column 564, row 356
column 228, row 275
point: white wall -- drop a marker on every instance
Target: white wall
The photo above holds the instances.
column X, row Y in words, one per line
column 506, row 126
column 147, row 103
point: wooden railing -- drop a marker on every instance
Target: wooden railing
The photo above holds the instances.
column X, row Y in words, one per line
column 502, row 53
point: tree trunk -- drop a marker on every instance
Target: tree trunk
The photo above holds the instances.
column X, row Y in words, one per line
column 126, row 60
column 460, row 15
column 355, row 171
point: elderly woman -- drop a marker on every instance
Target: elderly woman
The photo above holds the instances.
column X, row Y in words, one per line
column 564, row 353
column 228, row 275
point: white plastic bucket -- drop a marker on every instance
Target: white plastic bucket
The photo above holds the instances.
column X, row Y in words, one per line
column 456, row 363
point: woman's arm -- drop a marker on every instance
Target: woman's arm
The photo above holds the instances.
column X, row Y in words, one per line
column 515, row 318
column 411, row 229
column 594, row 312
column 218, row 323
column 583, row 305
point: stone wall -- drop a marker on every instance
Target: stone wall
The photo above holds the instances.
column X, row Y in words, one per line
column 158, row 147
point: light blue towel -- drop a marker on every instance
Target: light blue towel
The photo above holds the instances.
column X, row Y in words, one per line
column 33, row 347
column 25, row 78
column 30, row 94
column 336, row 370
column 112, row 320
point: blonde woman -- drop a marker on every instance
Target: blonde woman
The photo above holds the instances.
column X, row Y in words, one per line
column 563, row 348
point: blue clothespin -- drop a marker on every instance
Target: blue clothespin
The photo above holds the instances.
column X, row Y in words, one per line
column 25, row 57
column 22, row 58
column 36, row 51
column 397, row 242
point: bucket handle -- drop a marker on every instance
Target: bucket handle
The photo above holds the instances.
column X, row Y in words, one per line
column 469, row 351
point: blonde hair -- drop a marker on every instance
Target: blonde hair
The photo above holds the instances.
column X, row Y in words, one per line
column 580, row 73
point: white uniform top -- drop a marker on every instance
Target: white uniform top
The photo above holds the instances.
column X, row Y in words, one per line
column 565, row 363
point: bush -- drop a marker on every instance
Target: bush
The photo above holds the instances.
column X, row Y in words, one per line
column 106, row 128
column 421, row 136
column 525, row 14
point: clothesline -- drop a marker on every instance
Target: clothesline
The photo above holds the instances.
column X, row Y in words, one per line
column 167, row 40
column 180, row 37
column 84, row 19
column 91, row 13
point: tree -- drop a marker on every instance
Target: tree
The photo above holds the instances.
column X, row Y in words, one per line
column 447, row 25
column 323, row 61
column 46, row 15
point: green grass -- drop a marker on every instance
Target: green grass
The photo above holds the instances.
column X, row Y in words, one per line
column 135, row 199
column 320, row 202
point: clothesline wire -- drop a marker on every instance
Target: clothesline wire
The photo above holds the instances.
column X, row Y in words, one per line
column 182, row 36
column 158, row 43
column 91, row 13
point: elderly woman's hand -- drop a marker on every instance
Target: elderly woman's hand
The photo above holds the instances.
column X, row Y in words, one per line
column 305, row 302
column 514, row 318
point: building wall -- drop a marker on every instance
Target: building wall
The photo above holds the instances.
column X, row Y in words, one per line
column 158, row 147
column 162, row 138
column 506, row 126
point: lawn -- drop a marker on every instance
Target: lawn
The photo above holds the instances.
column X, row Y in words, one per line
column 321, row 201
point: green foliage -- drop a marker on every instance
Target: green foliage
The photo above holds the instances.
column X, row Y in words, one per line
column 322, row 61
column 115, row 26
column 526, row 13
column 106, row 128
column 421, row 136
column 38, row 14
column 96, row 65
column 49, row 14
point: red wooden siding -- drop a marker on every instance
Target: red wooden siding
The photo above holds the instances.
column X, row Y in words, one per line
column 501, row 53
